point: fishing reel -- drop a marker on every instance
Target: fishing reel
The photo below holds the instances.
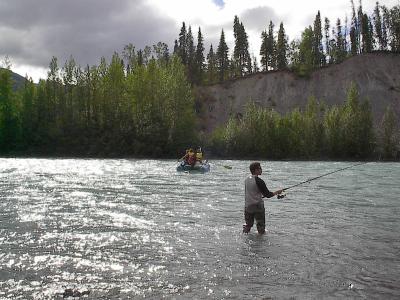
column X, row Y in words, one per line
column 281, row 196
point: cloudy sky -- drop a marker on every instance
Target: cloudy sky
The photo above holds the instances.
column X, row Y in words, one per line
column 32, row 31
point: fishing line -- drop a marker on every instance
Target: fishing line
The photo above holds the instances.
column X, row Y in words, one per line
column 314, row 178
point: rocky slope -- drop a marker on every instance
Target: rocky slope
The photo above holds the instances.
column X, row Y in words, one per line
column 376, row 75
column 18, row 81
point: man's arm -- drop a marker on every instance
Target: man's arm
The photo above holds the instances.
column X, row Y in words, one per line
column 263, row 188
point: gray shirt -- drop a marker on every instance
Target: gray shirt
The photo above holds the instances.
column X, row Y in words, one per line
column 255, row 190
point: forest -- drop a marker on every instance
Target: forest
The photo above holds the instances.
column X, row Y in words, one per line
column 140, row 103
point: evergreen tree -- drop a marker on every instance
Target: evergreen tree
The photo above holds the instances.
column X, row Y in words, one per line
column 328, row 49
column 378, row 27
column 212, row 74
column 191, row 55
column 176, row 48
column 339, row 52
column 281, row 49
column 222, row 59
column 241, row 56
column 263, row 50
column 319, row 58
column 346, row 33
column 385, row 27
column 394, row 28
column 268, row 48
column 353, row 41
column 256, row 68
column 360, row 18
column 271, row 47
column 183, row 45
column 28, row 113
column 199, row 58
column 366, row 34
column 51, row 120
column 354, row 31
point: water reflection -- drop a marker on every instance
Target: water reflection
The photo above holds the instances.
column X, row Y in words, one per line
column 136, row 228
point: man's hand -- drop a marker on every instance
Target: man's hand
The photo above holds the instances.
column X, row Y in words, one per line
column 278, row 192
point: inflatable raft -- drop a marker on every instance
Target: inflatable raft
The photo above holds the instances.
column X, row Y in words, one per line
column 198, row 167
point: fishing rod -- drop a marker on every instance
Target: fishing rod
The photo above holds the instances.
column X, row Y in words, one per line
column 314, row 178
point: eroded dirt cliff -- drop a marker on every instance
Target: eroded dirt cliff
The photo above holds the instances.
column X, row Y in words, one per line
column 376, row 75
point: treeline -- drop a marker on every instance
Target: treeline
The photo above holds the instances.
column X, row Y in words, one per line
column 139, row 108
column 141, row 103
column 319, row 132
column 321, row 44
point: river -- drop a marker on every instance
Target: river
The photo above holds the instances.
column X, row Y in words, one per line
column 128, row 229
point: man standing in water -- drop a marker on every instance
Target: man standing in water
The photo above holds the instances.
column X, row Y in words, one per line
column 255, row 190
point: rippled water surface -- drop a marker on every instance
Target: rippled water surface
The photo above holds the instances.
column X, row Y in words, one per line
column 122, row 229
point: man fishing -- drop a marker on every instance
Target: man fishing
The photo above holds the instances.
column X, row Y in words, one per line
column 255, row 190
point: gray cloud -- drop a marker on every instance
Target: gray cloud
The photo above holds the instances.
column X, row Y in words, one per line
column 258, row 19
column 31, row 32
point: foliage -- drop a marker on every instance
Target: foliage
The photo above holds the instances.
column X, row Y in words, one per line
column 389, row 135
column 241, row 56
column 109, row 109
column 344, row 132
column 222, row 60
column 9, row 119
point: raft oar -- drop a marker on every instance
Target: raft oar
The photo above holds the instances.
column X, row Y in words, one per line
column 314, row 178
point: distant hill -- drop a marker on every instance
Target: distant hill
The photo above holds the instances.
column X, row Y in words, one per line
column 18, row 81
column 376, row 75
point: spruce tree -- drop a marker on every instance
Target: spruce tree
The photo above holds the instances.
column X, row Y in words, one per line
column 319, row 58
column 328, row 49
column 385, row 27
column 366, row 35
column 183, row 44
column 360, row 18
column 28, row 113
column 354, row 31
column 211, row 66
column 176, row 48
column 271, row 47
column 263, row 50
column 191, row 55
column 378, row 26
column 241, row 56
column 281, row 49
column 268, row 48
column 222, row 58
column 340, row 50
column 199, row 58
column 394, row 23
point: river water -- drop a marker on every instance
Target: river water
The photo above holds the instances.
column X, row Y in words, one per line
column 125, row 228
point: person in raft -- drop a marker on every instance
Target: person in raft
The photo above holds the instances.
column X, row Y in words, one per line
column 199, row 155
column 190, row 157
column 255, row 191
